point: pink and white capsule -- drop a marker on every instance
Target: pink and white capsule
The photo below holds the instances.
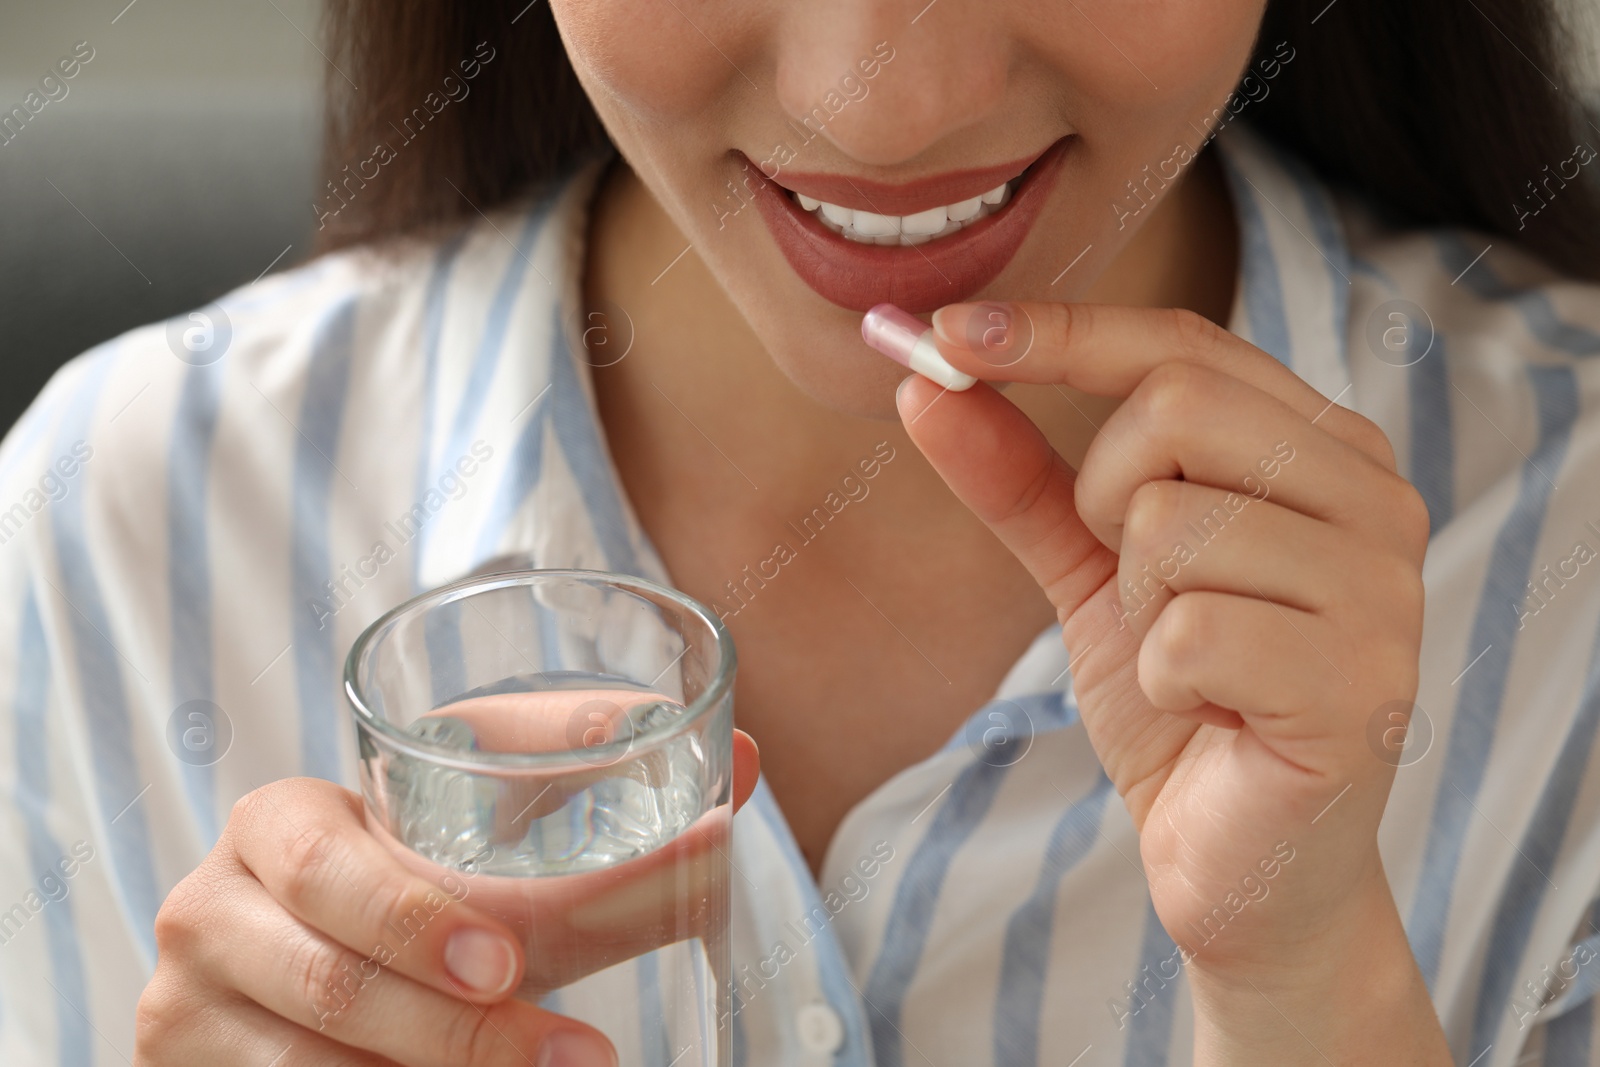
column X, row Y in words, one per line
column 907, row 341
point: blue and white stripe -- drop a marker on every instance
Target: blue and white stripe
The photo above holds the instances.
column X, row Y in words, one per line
column 191, row 558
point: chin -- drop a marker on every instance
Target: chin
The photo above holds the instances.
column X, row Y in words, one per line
column 834, row 368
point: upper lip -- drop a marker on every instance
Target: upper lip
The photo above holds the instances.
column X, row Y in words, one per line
column 904, row 198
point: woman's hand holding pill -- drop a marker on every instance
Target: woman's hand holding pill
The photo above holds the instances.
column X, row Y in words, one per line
column 1237, row 570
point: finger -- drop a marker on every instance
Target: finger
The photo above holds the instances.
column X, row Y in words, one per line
column 306, row 842
column 234, row 1032
column 583, row 721
column 557, row 721
column 1172, row 427
column 1181, row 537
column 1000, row 466
column 549, row 721
column 349, row 887
column 746, row 767
column 1108, row 350
column 1286, row 671
column 316, row 983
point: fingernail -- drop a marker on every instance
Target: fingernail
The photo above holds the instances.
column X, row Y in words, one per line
column 992, row 330
column 899, row 391
column 481, row 961
column 904, row 339
column 576, row 1048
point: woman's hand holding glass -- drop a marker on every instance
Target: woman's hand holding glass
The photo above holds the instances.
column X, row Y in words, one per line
column 1237, row 570
column 303, row 939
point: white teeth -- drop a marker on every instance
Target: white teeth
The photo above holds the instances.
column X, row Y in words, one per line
column 965, row 210
column 926, row 223
column 839, row 216
column 869, row 227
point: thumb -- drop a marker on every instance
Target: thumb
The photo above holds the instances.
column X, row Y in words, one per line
column 998, row 463
column 746, row 767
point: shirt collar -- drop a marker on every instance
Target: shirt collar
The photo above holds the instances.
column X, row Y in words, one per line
column 1292, row 290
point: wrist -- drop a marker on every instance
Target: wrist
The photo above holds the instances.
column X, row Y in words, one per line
column 1345, row 990
column 1301, row 940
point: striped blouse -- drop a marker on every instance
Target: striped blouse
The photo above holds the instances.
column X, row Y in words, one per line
column 199, row 516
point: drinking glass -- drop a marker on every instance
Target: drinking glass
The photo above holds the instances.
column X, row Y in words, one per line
column 555, row 746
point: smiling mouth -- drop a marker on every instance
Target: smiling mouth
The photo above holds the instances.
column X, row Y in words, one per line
column 858, row 243
column 870, row 227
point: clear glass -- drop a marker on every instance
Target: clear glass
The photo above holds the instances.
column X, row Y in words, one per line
column 556, row 748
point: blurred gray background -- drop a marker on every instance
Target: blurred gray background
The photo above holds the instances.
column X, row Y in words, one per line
column 179, row 165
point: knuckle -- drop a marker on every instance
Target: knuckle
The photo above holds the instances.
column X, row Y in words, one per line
column 1371, row 439
column 1400, row 585
column 1100, row 488
column 260, row 809
column 161, row 1016
column 1062, row 323
column 399, row 904
column 1087, row 490
column 1152, row 509
column 248, row 809
column 177, row 920
column 1392, row 669
column 1031, row 492
column 269, row 804
column 1407, row 674
column 1410, row 514
column 1167, row 395
column 472, row 1037
column 1385, row 574
column 309, row 860
column 184, row 912
column 1196, row 334
column 323, row 974
column 1181, row 636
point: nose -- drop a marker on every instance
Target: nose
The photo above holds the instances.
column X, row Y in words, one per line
column 935, row 68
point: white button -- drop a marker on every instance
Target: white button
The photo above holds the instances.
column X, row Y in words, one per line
column 820, row 1028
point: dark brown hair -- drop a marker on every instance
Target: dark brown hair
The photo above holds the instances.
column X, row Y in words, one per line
column 1442, row 112
column 1446, row 112
column 519, row 120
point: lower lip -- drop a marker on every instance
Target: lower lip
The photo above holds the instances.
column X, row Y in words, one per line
column 918, row 278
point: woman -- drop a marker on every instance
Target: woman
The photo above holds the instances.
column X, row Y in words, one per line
column 1103, row 718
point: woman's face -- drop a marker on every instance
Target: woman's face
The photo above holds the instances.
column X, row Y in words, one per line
column 908, row 116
